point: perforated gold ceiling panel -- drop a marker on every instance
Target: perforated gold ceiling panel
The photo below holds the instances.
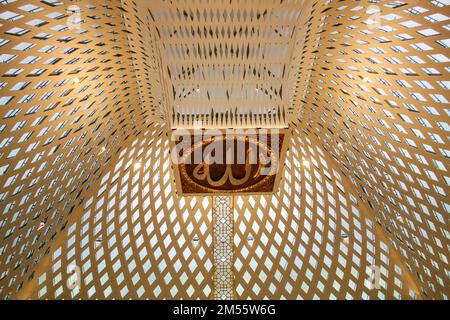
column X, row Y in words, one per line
column 68, row 104
column 88, row 203
column 213, row 63
column 378, row 102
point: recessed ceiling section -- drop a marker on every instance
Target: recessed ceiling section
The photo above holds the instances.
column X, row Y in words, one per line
column 92, row 94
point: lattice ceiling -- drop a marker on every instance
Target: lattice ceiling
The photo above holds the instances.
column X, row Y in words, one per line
column 89, row 89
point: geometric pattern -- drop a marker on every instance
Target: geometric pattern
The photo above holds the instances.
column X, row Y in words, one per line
column 289, row 236
column 134, row 238
column 223, row 247
column 314, row 239
column 66, row 99
column 88, row 202
column 217, row 65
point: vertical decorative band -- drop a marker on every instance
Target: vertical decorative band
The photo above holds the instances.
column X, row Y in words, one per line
column 223, row 247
